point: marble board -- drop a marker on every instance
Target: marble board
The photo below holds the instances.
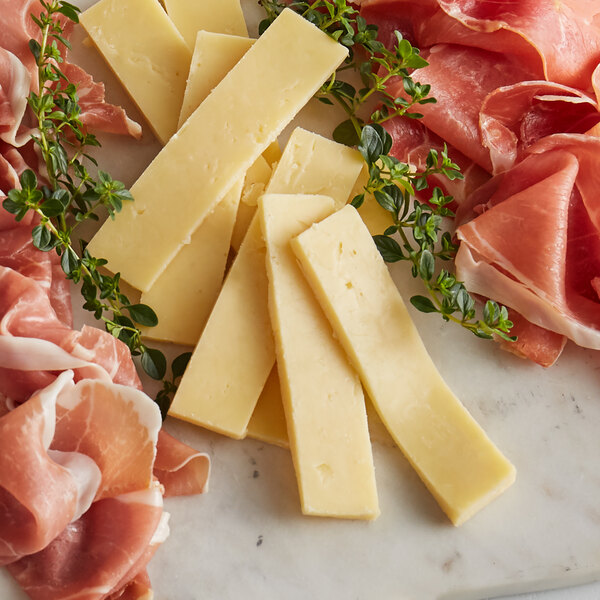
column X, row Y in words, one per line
column 247, row 538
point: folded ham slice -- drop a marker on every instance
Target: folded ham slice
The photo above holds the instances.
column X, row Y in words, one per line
column 536, row 244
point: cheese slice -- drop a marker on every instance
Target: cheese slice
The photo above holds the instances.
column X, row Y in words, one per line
column 215, row 54
column 216, row 146
column 236, row 352
column 453, row 456
column 255, row 182
column 322, row 396
column 312, row 164
column 268, row 419
column 147, row 53
column 218, row 16
column 186, row 291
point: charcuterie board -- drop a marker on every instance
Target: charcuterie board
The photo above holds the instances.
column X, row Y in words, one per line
column 247, row 537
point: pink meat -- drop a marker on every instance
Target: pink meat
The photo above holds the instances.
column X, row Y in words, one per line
column 556, row 41
column 82, row 562
column 460, row 79
column 412, row 142
column 181, row 469
column 536, row 245
column 38, row 496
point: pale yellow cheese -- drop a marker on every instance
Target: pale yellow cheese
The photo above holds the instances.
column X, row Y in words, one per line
column 454, row 457
column 186, row 291
column 216, row 146
column 322, row 395
column 255, row 182
column 333, row 168
column 147, row 53
column 218, row 16
column 215, row 54
column 235, row 353
column 268, row 419
column 272, row 153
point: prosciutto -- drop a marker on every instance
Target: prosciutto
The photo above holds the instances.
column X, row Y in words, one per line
column 536, row 244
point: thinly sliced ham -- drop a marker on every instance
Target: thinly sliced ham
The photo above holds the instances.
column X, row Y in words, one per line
column 115, row 425
column 460, row 79
column 536, row 245
column 82, row 563
column 15, row 83
column 556, row 41
column 181, row 469
column 40, row 493
column 412, row 142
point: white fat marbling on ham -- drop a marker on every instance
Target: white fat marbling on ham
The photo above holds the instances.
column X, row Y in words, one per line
column 15, row 83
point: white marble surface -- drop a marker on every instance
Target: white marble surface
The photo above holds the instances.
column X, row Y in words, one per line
column 246, row 537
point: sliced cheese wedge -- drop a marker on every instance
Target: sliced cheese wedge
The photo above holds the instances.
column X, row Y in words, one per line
column 236, row 352
column 268, row 419
column 322, row 395
column 453, row 456
column 216, row 146
column 186, row 291
column 215, row 54
column 147, row 53
column 219, row 16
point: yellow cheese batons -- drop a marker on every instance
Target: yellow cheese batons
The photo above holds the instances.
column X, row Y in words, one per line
column 322, row 396
column 235, row 353
column 147, row 53
column 216, row 146
column 451, row 453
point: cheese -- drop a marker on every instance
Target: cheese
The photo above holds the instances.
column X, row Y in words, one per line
column 148, row 55
column 186, row 291
column 459, row 464
column 235, row 353
column 218, row 16
column 216, row 146
column 322, row 396
column 268, row 419
column 312, row 164
column 256, row 179
column 215, row 54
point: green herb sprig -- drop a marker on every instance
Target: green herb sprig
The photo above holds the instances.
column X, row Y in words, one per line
column 391, row 182
column 71, row 194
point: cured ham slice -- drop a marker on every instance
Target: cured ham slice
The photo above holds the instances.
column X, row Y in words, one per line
column 412, row 142
column 25, row 311
column 536, row 245
column 15, row 83
column 181, row 469
column 96, row 113
column 512, row 118
column 530, row 31
column 39, row 493
column 81, row 563
column 115, row 425
column 460, row 80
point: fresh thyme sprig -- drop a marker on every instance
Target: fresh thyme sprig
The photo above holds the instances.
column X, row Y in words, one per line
column 376, row 65
column 71, row 195
column 391, row 182
column 418, row 225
